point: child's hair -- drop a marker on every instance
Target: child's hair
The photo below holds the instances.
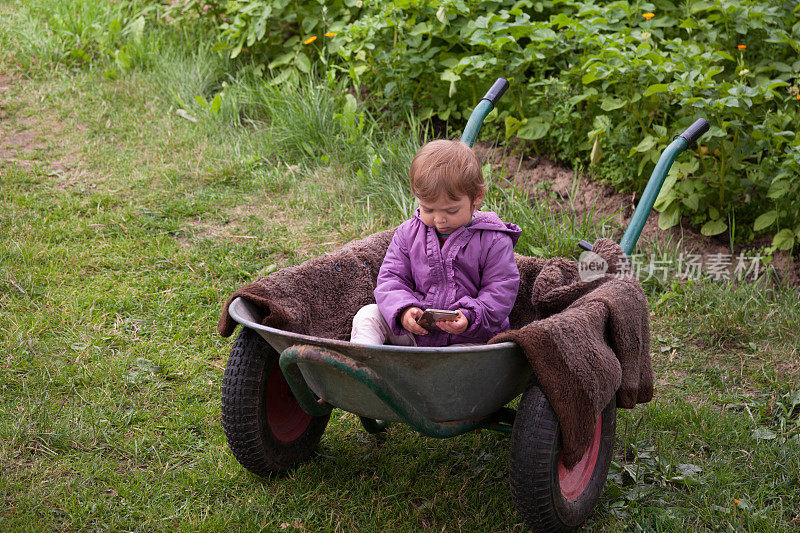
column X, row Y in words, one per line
column 446, row 167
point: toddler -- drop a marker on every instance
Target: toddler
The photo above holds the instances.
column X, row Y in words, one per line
column 449, row 256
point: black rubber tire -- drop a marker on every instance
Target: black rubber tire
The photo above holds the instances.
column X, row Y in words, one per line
column 534, row 460
column 244, row 411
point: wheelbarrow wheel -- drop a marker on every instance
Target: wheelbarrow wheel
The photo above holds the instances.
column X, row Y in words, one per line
column 266, row 429
column 547, row 495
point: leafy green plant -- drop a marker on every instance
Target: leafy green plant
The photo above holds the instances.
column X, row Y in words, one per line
column 609, row 84
column 787, row 415
column 215, row 104
column 290, row 36
column 92, row 33
column 648, row 468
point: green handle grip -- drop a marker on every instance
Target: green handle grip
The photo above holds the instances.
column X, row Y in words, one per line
column 483, row 108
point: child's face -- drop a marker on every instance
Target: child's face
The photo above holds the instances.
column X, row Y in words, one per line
column 446, row 214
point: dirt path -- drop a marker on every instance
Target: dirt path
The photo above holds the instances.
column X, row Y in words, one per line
column 36, row 138
column 15, row 139
column 28, row 136
column 548, row 181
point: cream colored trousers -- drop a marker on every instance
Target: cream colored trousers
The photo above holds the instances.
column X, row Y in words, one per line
column 369, row 327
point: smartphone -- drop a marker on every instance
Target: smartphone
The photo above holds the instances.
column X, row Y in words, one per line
column 431, row 316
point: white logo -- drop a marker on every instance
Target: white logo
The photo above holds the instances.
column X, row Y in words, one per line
column 591, row 266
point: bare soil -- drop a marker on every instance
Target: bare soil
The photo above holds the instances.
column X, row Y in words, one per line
column 545, row 180
column 28, row 137
column 16, row 138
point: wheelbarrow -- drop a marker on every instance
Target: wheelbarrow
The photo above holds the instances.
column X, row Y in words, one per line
column 280, row 387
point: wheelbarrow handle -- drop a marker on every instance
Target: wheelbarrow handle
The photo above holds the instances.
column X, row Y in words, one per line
column 496, row 91
column 695, row 131
column 483, row 108
column 648, row 198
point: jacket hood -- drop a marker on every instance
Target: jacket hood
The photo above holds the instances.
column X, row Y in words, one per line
column 489, row 220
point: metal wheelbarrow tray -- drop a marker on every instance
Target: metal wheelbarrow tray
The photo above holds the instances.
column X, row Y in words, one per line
column 280, row 387
column 440, row 392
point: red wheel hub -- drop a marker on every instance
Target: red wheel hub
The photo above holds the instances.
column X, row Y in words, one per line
column 574, row 481
column 286, row 418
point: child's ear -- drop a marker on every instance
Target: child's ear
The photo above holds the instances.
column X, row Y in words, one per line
column 477, row 201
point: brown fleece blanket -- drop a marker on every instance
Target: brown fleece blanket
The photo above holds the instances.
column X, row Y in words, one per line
column 585, row 340
column 319, row 297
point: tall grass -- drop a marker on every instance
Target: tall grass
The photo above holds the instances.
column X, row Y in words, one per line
column 183, row 67
column 87, row 34
column 728, row 313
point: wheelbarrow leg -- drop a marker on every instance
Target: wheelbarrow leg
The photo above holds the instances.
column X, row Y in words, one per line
column 373, row 426
column 502, row 421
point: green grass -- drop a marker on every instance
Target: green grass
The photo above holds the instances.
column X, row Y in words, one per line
column 123, row 227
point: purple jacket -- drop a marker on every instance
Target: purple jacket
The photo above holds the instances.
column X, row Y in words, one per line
column 474, row 270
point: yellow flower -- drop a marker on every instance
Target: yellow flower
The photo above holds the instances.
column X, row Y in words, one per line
column 648, row 16
column 310, row 39
column 742, row 46
column 330, row 34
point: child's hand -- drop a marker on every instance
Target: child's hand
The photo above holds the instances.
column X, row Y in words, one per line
column 409, row 321
column 456, row 326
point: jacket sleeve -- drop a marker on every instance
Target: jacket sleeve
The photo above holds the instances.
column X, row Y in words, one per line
column 499, row 285
column 394, row 290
